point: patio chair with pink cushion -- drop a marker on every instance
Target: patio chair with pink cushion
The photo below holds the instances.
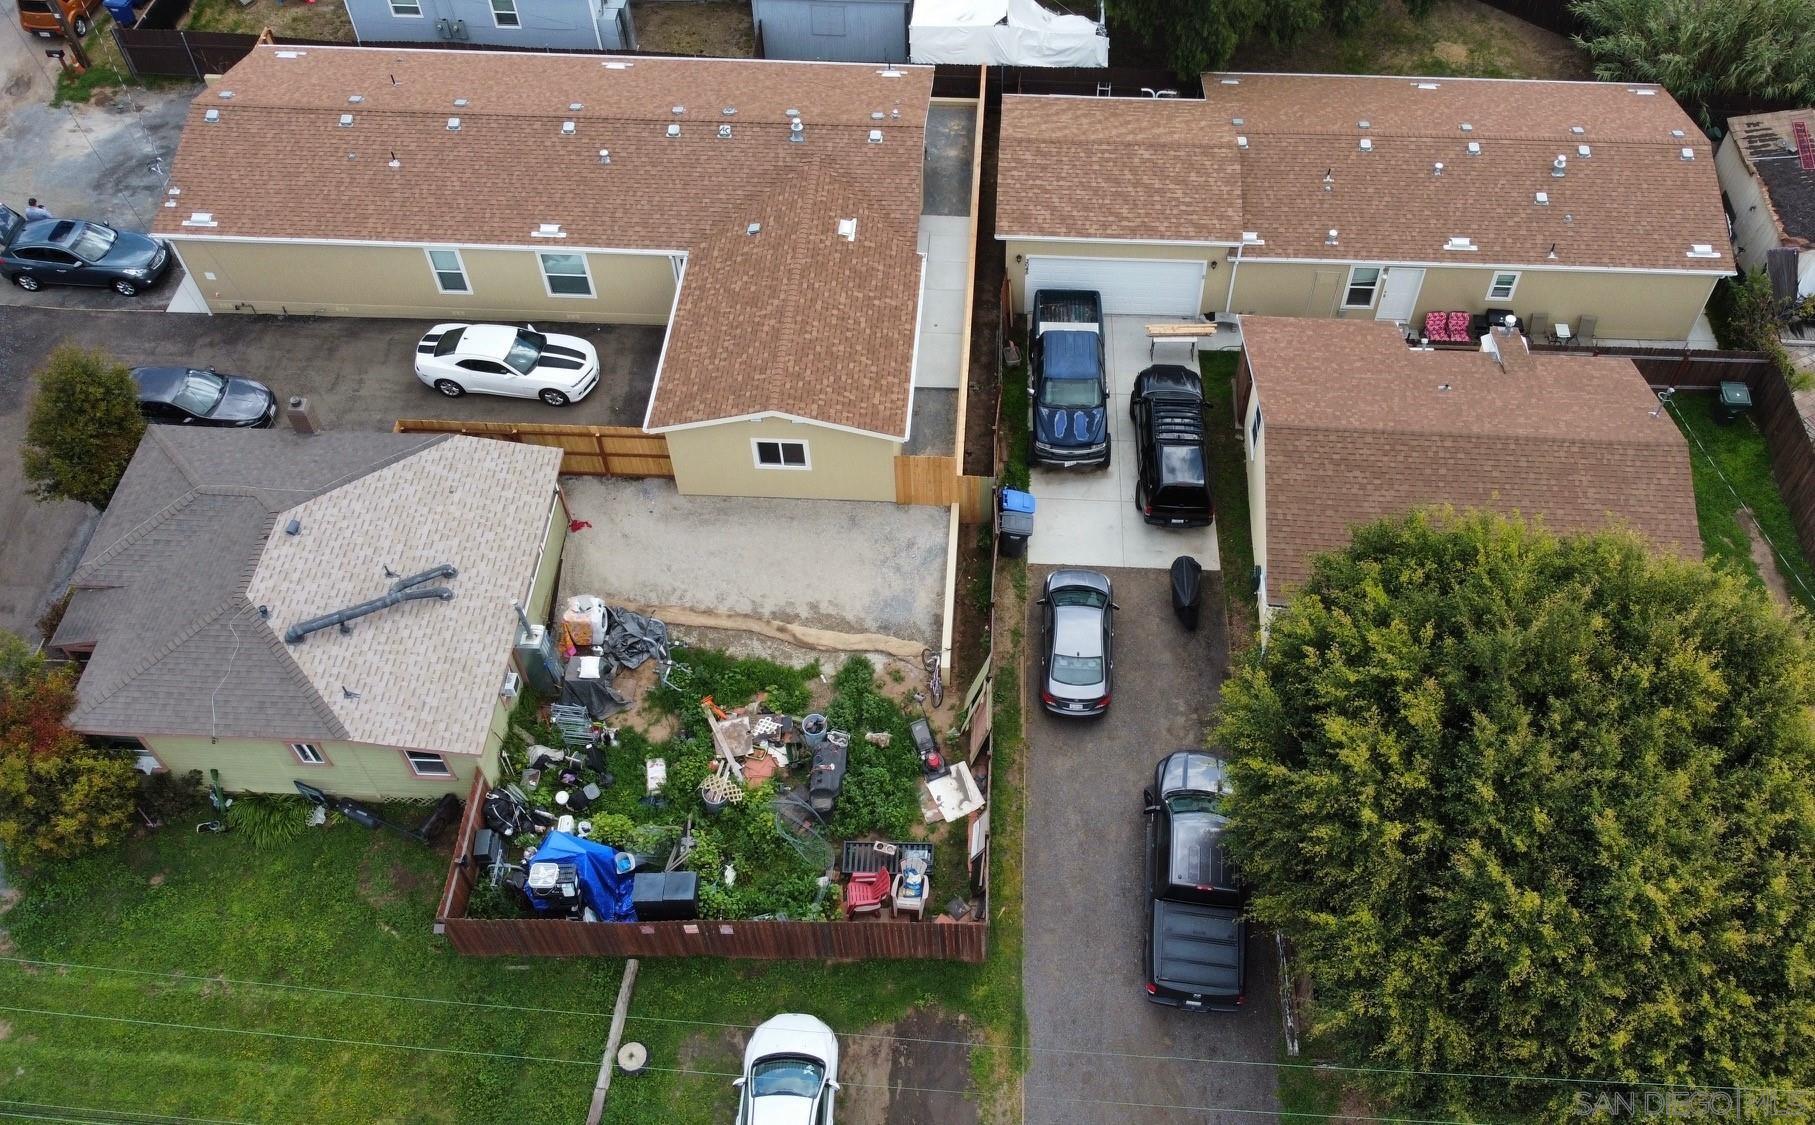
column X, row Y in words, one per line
column 1434, row 325
column 865, row 893
column 1458, row 328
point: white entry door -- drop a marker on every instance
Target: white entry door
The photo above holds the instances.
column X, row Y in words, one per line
column 1399, row 293
column 1137, row 286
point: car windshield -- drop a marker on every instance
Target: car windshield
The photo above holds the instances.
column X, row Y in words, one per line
column 1182, row 804
column 1078, row 671
column 1079, row 596
column 525, row 352
column 800, row 1077
column 90, row 243
column 199, row 392
column 1071, row 392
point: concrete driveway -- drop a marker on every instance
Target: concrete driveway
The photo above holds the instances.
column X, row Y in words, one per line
column 358, row 371
column 1084, row 922
column 1087, row 517
column 841, row 565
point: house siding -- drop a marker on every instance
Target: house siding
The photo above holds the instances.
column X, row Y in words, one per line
column 319, row 279
column 354, row 770
column 866, row 30
column 1754, row 225
column 719, row 461
column 542, row 587
column 545, row 23
column 1628, row 306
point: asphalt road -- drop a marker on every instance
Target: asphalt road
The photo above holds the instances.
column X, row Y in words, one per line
column 1096, row 1039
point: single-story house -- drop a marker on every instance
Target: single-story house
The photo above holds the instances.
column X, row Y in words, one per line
column 197, row 609
column 1767, row 169
column 1344, row 424
column 766, row 212
column 1369, row 198
column 574, row 25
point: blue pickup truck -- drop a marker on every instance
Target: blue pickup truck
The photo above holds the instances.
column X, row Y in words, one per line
column 1069, row 388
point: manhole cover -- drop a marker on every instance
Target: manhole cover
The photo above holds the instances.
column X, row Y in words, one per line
column 632, row 1057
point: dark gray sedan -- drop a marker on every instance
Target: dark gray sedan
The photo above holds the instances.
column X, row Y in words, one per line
column 74, row 252
column 202, row 396
column 1077, row 614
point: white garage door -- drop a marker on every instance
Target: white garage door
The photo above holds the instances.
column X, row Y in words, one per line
column 1129, row 285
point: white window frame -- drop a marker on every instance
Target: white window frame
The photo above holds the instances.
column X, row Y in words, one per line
column 398, row 6
column 308, row 753
column 410, row 756
column 542, row 257
column 1493, row 285
column 1373, row 287
column 466, row 279
column 806, row 454
column 514, row 14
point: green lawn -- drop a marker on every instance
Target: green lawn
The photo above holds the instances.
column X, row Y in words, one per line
column 1736, row 455
column 1229, row 476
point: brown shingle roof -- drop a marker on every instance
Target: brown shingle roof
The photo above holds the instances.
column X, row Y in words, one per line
column 1767, row 146
column 1357, row 426
column 276, row 164
column 1633, row 203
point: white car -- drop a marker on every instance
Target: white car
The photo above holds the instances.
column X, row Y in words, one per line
column 499, row 359
column 790, row 1073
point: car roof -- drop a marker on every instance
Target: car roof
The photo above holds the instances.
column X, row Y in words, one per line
column 1077, row 630
column 489, row 340
column 160, row 382
column 1171, row 379
column 1069, row 355
column 1192, row 771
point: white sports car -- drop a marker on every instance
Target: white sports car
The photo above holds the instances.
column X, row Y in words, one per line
column 499, row 359
column 790, row 1073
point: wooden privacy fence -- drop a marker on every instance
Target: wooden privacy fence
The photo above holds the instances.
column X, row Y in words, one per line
column 586, row 451
column 935, row 479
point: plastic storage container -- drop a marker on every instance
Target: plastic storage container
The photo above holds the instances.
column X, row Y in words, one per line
column 1014, row 520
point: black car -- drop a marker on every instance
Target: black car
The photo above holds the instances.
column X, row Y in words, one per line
column 202, row 396
column 1195, row 953
column 74, row 252
column 1173, row 486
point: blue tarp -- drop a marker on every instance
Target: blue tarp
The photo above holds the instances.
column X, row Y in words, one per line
column 601, row 887
column 1069, row 355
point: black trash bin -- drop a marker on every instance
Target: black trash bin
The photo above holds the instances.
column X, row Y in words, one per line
column 1014, row 521
column 1187, row 590
column 1734, row 400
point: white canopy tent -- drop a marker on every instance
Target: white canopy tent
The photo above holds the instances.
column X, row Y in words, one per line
column 1003, row 32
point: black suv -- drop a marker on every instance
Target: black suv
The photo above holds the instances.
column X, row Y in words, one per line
column 1173, row 489
column 1196, row 933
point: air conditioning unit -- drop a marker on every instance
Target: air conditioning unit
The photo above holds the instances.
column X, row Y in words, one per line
column 513, row 683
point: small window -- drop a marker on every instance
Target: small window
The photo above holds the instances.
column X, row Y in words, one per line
column 565, row 275
column 1364, row 281
column 308, row 754
column 407, row 8
column 782, row 455
column 450, row 271
column 1503, row 286
column 504, row 13
column 427, row 765
column 1254, row 434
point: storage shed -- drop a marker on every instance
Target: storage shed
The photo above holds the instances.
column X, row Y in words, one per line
column 841, row 31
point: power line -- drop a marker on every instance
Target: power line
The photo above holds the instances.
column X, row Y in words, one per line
column 142, row 1117
column 974, row 1044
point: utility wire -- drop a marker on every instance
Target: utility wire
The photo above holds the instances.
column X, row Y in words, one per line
column 974, row 1044
column 140, row 1117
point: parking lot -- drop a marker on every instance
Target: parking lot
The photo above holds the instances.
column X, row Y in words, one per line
column 1100, row 1049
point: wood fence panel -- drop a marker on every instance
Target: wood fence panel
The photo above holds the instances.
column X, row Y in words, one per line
column 588, row 451
column 935, row 479
column 1788, row 440
column 766, row 940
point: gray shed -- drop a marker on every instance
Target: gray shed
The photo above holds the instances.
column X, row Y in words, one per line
column 833, row 30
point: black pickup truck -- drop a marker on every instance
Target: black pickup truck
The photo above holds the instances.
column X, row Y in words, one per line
column 1172, row 487
column 1196, row 932
column 1068, row 381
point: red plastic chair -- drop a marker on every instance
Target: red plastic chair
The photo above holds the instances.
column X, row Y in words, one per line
column 866, row 892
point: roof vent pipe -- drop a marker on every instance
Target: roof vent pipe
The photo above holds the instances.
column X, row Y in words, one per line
column 1559, row 165
column 1437, row 168
column 796, row 131
column 1329, row 181
column 724, row 132
column 402, row 590
column 1330, row 239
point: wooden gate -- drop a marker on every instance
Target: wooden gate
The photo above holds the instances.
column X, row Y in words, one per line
column 936, row 480
column 586, row 451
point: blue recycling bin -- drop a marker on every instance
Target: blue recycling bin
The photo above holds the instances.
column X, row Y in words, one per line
column 1014, row 521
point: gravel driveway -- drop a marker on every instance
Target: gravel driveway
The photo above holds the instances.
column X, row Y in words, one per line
column 1084, row 926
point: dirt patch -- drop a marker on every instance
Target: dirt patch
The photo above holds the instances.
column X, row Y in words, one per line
column 1455, row 54
column 6, row 1031
column 306, row 19
column 635, row 684
column 384, row 885
column 1764, row 559
column 715, row 27
column 919, row 1070
column 1460, row 37
column 720, row 1048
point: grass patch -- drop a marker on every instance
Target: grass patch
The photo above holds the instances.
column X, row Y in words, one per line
column 1014, row 410
column 1462, row 38
column 1739, row 454
column 1229, row 471
column 323, row 19
column 1307, row 1096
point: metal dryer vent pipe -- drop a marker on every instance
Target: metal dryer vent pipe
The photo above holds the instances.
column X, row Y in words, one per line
column 402, row 590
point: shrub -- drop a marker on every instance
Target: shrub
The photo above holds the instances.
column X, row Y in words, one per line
column 83, row 427
column 267, row 820
column 166, row 796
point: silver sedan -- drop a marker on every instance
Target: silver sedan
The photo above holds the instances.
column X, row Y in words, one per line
column 1077, row 614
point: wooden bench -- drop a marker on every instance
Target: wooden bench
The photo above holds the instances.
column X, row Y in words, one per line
column 1179, row 330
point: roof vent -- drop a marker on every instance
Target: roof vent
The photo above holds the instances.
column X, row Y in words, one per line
column 847, row 229
column 1474, row 148
column 1645, row 91
column 294, row 527
column 1678, row 133
column 604, row 156
column 797, row 131
column 213, row 116
column 1367, row 145
column 225, row 95
column 201, row 219
column 674, row 130
column 678, row 110
column 1250, row 236
column 575, row 107
column 346, row 121
column 889, row 73
column 754, row 228
column 394, row 162
column 618, row 65
column 1238, row 122
column 1329, row 181
column 1231, row 81
column 453, row 124
column 1467, row 127
column 1577, row 130
column 875, row 136
column 1687, row 152
column 729, row 111
column 567, row 128
column 548, row 230
column 1425, row 85
column 355, row 99
column 460, row 103
column 790, row 113
column 1364, row 124
column 1702, row 250
column 1542, row 198
column 1584, row 151
column 1460, row 242
column 1443, row 387
column 1241, row 142
column 1330, row 238
column 1559, row 166
column 1437, row 168
column 724, row 132
column 1551, row 254
column 291, row 54
column 877, row 115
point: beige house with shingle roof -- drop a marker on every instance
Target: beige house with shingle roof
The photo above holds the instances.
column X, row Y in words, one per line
column 1369, row 198
column 189, row 608
column 766, row 212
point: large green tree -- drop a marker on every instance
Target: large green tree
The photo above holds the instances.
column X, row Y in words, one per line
column 1535, row 805
column 58, row 794
column 83, row 427
column 1704, row 52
